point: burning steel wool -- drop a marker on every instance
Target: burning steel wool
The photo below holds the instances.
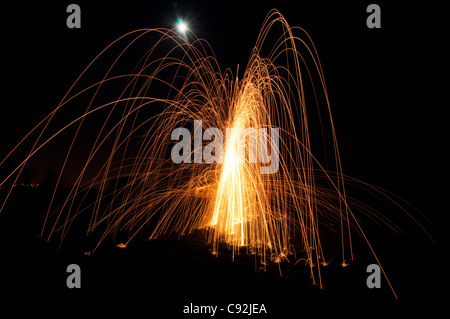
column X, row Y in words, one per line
column 247, row 176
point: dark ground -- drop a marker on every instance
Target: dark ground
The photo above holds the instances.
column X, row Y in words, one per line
column 158, row 278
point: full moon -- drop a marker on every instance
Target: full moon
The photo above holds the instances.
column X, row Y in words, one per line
column 182, row 27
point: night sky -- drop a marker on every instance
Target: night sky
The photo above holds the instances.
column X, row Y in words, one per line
column 385, row 85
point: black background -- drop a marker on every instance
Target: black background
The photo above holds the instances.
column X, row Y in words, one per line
column 386, row 89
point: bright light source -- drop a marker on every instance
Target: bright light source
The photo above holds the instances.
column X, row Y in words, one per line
column 182, row 27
